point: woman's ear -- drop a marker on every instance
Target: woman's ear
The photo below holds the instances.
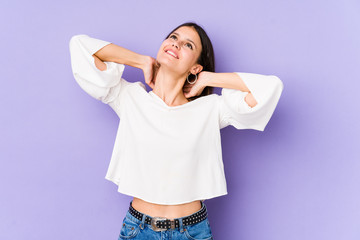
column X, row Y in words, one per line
column 196, row 69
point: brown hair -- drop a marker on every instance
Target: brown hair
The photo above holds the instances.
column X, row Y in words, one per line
column 207, row 56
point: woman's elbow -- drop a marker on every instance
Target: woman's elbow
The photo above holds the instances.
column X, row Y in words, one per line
column 250, row 100
column 99, row 64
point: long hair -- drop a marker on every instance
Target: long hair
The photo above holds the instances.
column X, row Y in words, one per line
column 206, row 58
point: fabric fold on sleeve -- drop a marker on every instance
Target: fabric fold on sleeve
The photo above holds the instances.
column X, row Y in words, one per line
column 102, row 85
column 234, row 110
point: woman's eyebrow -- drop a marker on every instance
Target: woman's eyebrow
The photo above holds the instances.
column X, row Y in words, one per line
column 186, row 39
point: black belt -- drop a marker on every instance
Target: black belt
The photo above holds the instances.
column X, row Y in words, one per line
column 162, row 224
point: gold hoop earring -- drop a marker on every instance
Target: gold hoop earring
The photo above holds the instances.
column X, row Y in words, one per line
column 187, row 79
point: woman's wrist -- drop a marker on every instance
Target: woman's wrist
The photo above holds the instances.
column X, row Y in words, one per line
column 206, row 78
column 144, row 62
column 135, row 60
column 214, row 79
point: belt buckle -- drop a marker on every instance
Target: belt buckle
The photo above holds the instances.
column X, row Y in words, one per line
column 153, row 224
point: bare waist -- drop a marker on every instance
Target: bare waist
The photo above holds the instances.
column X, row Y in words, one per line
column 168, row 211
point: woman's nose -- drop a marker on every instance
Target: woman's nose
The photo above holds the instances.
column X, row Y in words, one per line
column 175, row 44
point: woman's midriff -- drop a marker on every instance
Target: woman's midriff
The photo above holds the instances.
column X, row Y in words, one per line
column 168, row 211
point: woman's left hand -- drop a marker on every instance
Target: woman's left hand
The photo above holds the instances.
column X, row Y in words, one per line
column 191, row 90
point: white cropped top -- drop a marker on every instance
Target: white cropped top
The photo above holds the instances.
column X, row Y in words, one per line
column 169, row 154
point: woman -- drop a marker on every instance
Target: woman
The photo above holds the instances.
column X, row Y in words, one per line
column 167, row 153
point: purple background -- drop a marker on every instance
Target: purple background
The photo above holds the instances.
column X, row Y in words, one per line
column 299, row 179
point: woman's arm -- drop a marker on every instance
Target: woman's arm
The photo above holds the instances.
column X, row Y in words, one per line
column 118, row 54
column 223, row 80
column 115, row 53
column 233, row 81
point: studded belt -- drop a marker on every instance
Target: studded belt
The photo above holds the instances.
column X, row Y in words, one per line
column 163, row 224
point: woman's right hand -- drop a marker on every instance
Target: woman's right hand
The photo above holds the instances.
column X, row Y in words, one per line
column 150, row 68
column 118, row 54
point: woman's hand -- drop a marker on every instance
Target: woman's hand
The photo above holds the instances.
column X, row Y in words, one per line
column 191, row 90
column 150, row 68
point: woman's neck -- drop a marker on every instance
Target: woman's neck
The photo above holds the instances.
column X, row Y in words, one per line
column 169, row 87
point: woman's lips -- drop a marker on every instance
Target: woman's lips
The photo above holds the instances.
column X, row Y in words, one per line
column 171, row 53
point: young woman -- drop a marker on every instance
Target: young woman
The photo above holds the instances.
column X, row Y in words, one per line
column 167, row 153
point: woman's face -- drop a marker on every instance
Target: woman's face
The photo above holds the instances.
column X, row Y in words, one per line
column 181, row 50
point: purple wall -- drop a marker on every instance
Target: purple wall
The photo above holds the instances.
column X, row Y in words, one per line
column 297, row 180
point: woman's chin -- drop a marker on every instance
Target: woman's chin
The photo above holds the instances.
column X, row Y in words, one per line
column 166, row 63
column 171, row 65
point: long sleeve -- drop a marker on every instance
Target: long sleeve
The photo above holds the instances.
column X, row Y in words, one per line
column 104, row 85
column 235, row 111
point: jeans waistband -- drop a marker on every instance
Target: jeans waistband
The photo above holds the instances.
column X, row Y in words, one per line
column 196, row 217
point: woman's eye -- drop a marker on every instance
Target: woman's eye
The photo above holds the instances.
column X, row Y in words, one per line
column 189, row 45
column 173, row 36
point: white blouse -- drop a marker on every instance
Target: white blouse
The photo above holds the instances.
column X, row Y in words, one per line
column 169, row 154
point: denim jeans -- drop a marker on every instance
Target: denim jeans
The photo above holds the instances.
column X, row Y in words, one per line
column 133, row 228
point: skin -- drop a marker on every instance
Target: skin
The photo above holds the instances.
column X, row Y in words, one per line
column 172, row 71
column 166, row 75
column 168, row 84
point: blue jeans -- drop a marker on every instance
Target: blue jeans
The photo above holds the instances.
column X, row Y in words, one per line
column 133, row 228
